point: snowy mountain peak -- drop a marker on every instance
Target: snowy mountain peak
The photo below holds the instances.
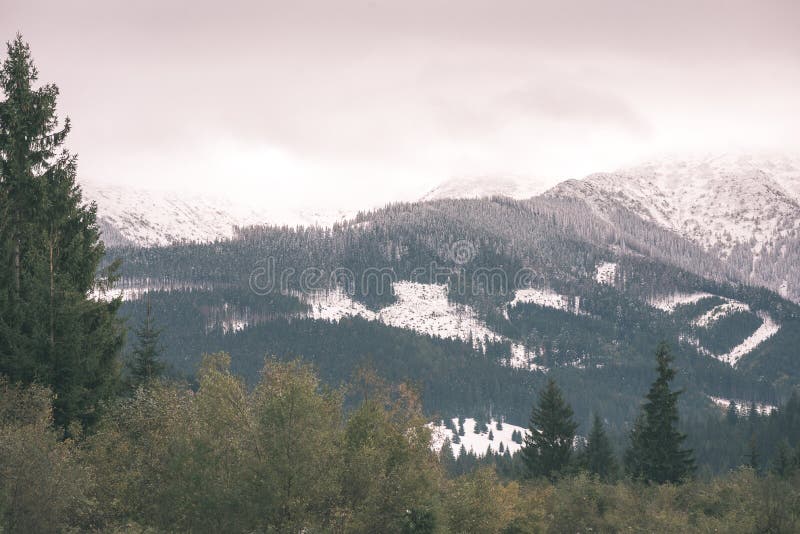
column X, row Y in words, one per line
column 744, row 209
column 150, row 217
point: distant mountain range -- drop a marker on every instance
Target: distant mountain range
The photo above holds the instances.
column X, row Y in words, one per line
column 743, row 211
column 130, row 216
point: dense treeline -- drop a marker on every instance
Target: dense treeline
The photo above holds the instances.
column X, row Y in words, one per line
column 498, row 239
column 586, row 353
column 286, row 455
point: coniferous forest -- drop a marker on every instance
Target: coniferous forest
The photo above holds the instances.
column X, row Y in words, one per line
column 203, row 405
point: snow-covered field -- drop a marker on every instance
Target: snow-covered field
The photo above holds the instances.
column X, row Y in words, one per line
column 545, row 298
column 423, row 308
column 669, row 303
column 477, row 443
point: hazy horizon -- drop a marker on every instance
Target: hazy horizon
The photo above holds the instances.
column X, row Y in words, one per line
column 360, row 103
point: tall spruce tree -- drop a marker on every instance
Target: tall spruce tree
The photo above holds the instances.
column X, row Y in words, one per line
column 146, row 364
column 547, row 447
column 50, row 252
column 599, row 455
column 656, row 453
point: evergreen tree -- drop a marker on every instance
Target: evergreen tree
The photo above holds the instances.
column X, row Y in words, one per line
column 446, row 456
column 656, row 453
column 51, row 332
column 491, row 435
column 548, row 446
column 599, row 456
column 145, row 364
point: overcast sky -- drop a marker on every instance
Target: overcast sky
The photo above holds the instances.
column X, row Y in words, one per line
column 359, row 102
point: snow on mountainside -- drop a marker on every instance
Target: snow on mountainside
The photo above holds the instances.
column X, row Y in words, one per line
column 477, row 443
column 716, row 201
column 423, row 308
column 766, row 329
column 743, row 209
column 148, row 217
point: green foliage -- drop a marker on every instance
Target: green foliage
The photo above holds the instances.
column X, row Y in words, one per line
column 478, row 503
column 50, row 252
column 548, row 444
column 656, row 453
column 281, row 457
column 286, row 457
column 44, row 485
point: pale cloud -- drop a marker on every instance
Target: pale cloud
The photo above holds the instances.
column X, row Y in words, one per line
column 356, row 103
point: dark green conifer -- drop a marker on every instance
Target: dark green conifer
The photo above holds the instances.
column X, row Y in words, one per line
column 146, row 364
column 51, row 332
column 548, row 446
column 599, row 456
column 656, row 453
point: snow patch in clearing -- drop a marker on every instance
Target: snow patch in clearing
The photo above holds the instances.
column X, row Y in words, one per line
column 606, row 273
column 743, row 407
column 137, row 289
column 422, row 308
column 541, row 297
column 669, row 303
column 522, row 358
column 335, row 305
column 719, row 312
column 477, row 443
column 767, row 329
